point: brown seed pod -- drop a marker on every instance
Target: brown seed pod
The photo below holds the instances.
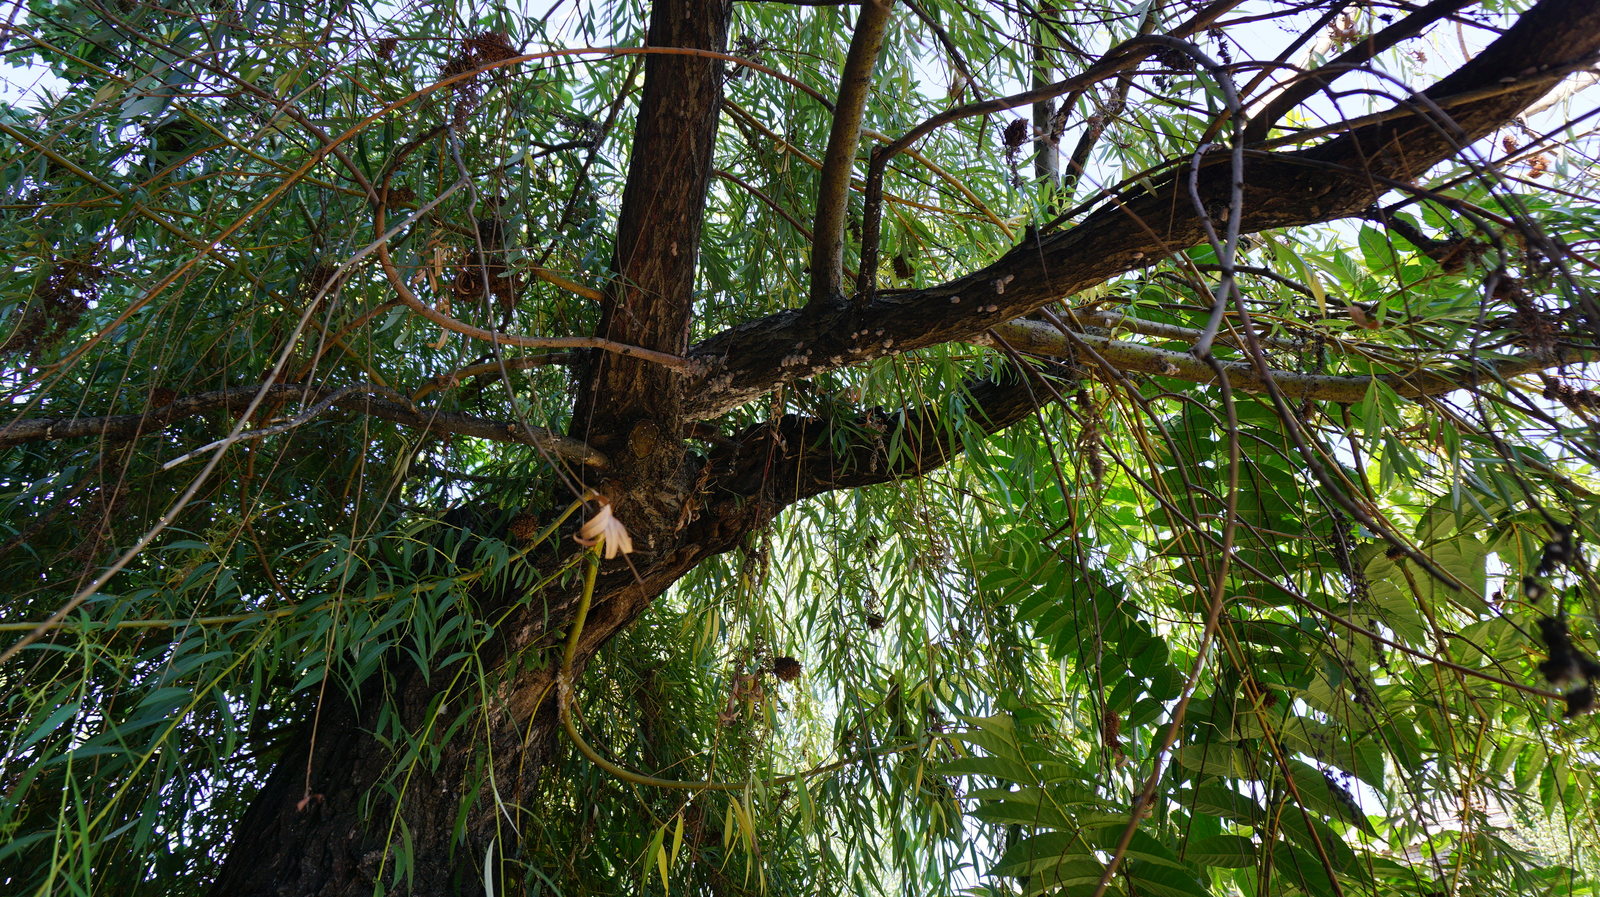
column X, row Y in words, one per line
column 523, row 527
column 1016, row 133
column 1111, row 735
column 489, row 46
column 786, row 668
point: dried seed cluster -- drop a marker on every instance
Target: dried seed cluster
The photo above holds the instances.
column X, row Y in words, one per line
column 786, row 668
column 1564, row 665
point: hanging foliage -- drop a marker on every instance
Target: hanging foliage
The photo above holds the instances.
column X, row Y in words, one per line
column 794, row 448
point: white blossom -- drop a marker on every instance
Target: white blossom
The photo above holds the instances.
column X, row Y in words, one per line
column 604, row 526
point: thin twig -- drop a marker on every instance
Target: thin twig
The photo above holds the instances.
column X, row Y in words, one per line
column 131, row 426
column 527, row 362
column 1225, row 248
column 1219, row 583
column 301, row 419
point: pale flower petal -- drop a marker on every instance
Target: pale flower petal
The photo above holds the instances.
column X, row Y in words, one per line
column 605, row 526
column 594, row 527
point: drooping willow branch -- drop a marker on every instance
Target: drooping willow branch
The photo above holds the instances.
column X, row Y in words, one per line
column 1358, row 54
column 1225, row 246
column 411, row 301
column 771, row 203
column 332, row 145
column 1118, row 59
column 488, row 368
column 564, row 702
column 981, row 210
column 299, row 420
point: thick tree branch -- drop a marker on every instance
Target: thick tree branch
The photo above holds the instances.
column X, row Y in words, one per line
column 844, row 137
column 777, row 463
column 1304, row 87
column 149, row 423
column 1337, row 179
column 1039, row 338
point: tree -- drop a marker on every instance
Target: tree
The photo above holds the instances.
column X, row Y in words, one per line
column 1153, row 435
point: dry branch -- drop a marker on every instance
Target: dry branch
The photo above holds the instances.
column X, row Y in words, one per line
column 396, row 409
